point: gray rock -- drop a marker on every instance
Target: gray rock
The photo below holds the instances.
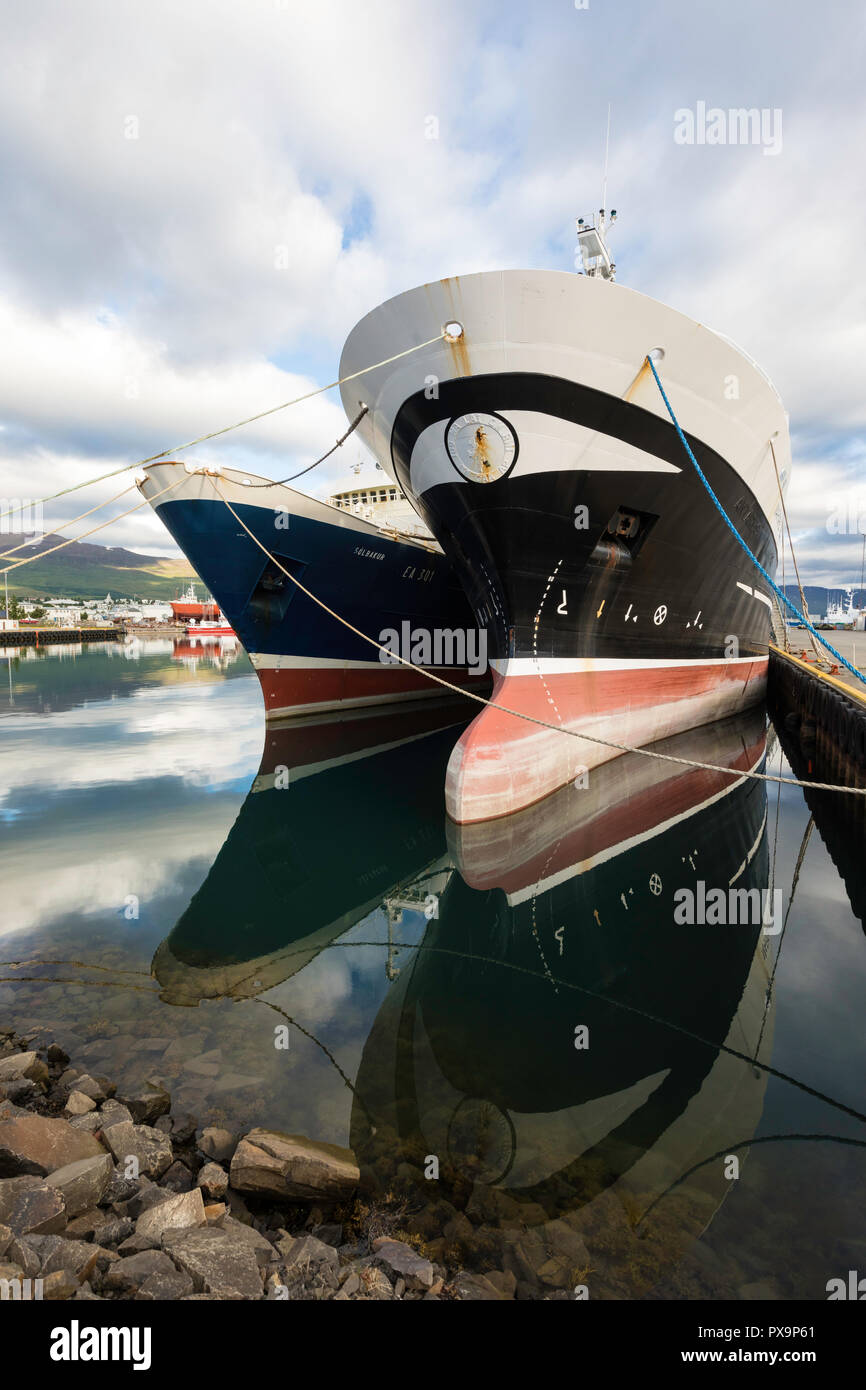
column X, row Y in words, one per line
column 134, row 1244
column 129, row 1274
column 176, row 1214
column 214, row 1180
column 113, row 1113
column 23, row 1254
column 35, row 1144
column 248, row 1235
column 36, row 1211
column 152, row 1149
column 218, row 1144
column 72, row 1255
column 301, row 1252
column 329, row 1232
column 397, row 1258
column 148, row 1104
column 177, row 1178
column 6, row 1236
column 23, row 1066
column 120, row 1188
column 183, row 1128
column 162, row 1286
column 60, row 1285
column 289, row 1166
column 83, row 1184
column 10, row 1191
column 86, row 1295
column 475, row 1288
column 114, row 1230
column 90, row 1123
column 218, row 1262
column 20, row 1092
column 91, row 1086
column 82, row 1227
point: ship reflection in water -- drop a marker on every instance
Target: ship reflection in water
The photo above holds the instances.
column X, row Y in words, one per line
column 578, row 1055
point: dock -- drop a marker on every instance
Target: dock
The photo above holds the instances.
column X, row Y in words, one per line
column 44, row 636
column 822, row 713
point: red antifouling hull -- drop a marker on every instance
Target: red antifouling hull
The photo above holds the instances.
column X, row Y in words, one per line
column 503, row 762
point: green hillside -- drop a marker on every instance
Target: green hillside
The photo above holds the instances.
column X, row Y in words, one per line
column 87, row 571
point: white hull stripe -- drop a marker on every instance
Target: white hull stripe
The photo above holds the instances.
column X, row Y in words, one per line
column 267, row 661
column 762, row 598
column 566, row 666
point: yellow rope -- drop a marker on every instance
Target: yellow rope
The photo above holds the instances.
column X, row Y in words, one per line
column 518, row 714
column 71, row 522
column 101, row 527
column 214, row 434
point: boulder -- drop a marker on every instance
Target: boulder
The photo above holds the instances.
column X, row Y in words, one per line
column 35, row 1144
column 90, row 1122
column 165, row 1285
column 178, row 1177
column 112, row 1113
column 152, row 1149
column 218, row 1144
column 60, row 1284
column 218, row 1262
column 292, row 1167
column 79, row 1104
column 23, row 1066
column 213, row 1179
column 303, row 1251
column 92, row 1086
column 83, row 1184
column 77, row 1257
column 23, row 1254
column 175, row 1214
column 148, row 1104
column 248, row 1235
column 399, row 1259
column 40, row 1211
column 129, row 1274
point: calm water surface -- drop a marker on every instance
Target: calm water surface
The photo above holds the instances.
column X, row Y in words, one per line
column 615, row 1096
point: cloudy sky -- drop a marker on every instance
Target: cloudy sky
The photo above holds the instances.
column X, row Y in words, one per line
column 200, row 199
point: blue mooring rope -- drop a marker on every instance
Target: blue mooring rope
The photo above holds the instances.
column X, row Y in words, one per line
column 737, row 537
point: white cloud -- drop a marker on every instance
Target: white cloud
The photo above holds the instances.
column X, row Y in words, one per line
column 282, row 183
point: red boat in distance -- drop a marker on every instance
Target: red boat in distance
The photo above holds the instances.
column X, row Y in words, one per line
column 189, row 608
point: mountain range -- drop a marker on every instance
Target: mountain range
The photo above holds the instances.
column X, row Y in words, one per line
column 85, row 570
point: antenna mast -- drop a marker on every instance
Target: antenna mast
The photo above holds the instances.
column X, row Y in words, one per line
column 591, row 237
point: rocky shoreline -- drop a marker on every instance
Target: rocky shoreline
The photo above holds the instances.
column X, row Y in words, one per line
column 107, row 1196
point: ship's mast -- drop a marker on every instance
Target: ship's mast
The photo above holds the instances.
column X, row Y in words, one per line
column 591, row 236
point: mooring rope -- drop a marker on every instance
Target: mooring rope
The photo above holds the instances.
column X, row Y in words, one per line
column 214, row 434
column 518, row 714
column 793, row 554
column 738, row 538
column 71, row 522
column 31, row 559
column 281, row 482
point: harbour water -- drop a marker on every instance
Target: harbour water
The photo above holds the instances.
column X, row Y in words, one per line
column 620, row 1087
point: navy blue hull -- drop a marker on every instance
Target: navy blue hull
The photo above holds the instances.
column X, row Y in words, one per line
column 374, row 584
